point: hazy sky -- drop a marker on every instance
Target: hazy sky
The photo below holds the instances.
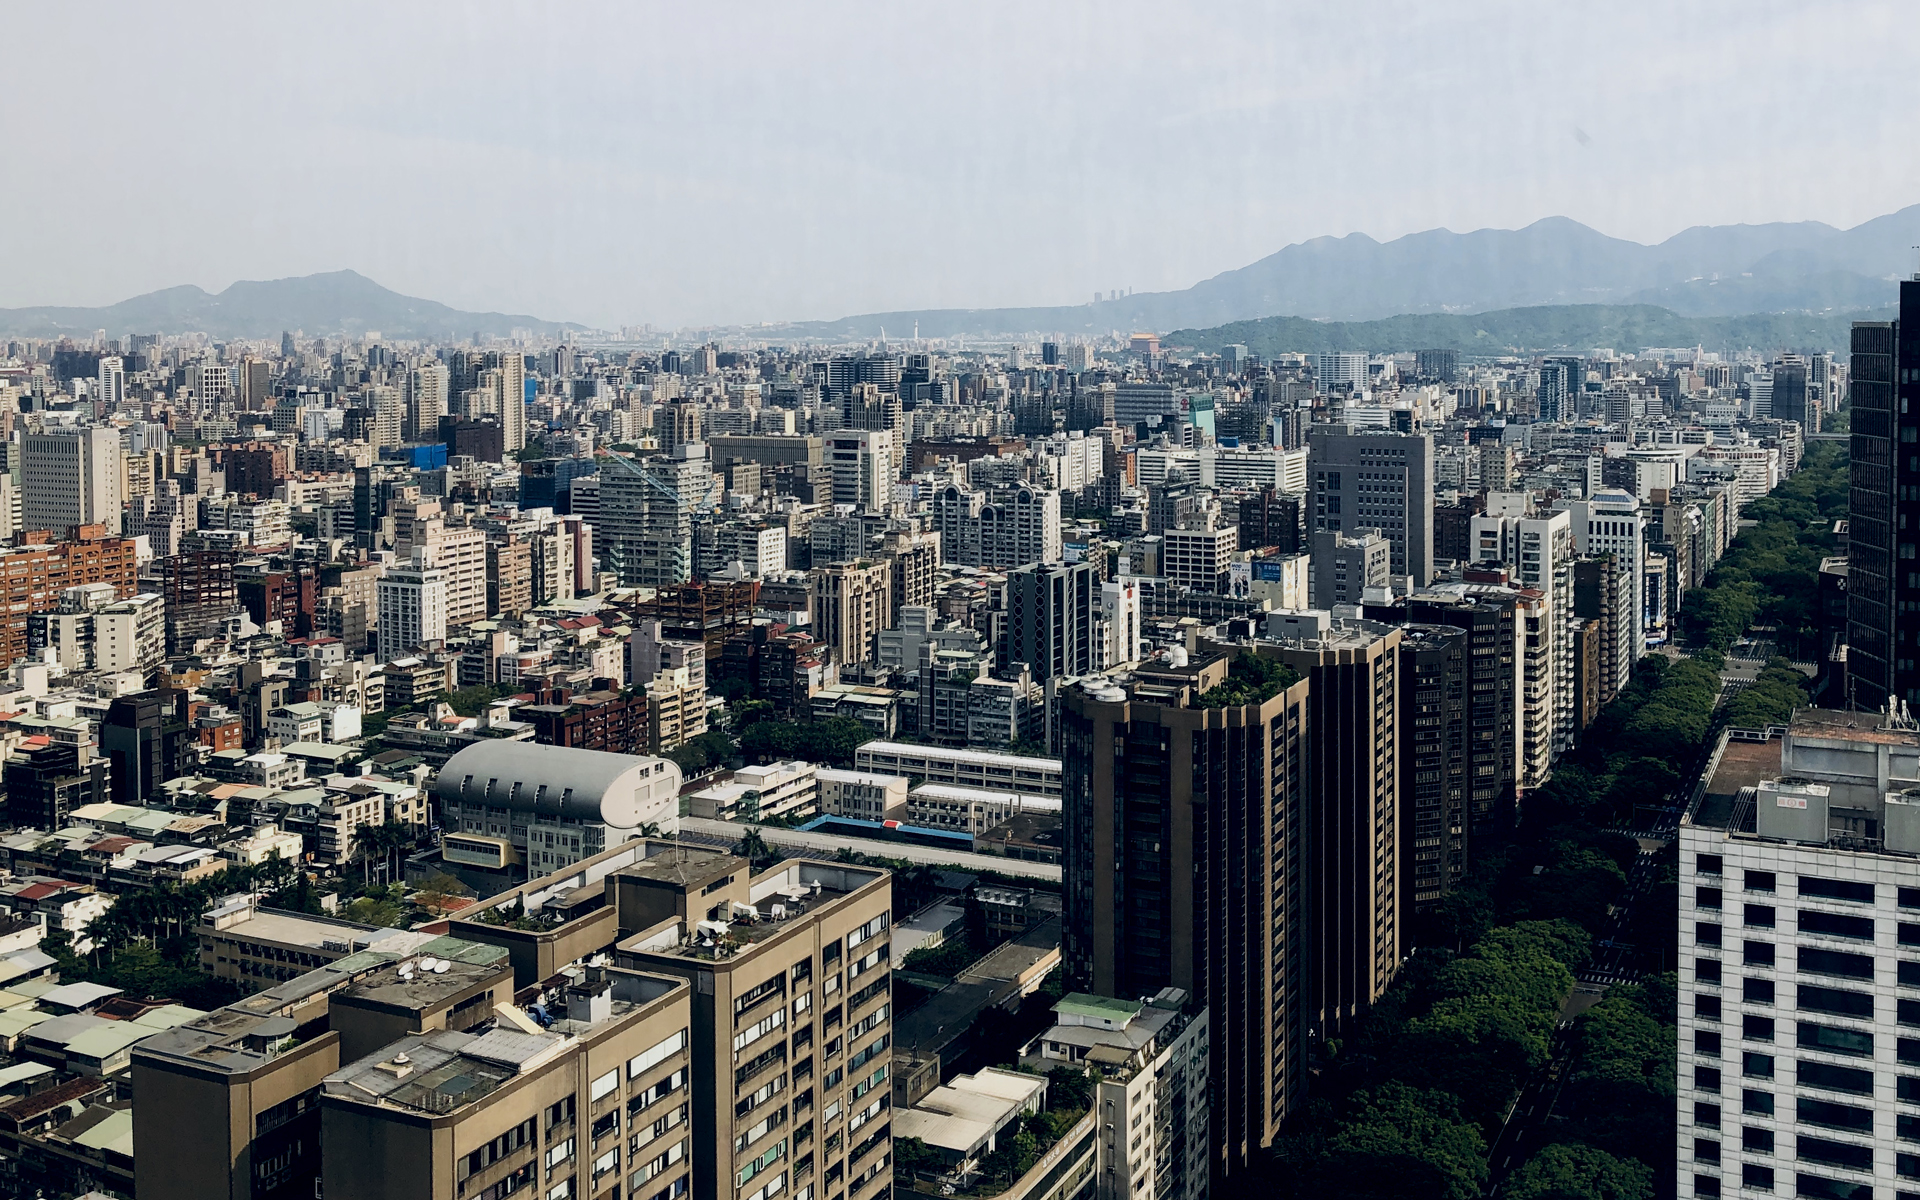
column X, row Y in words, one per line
column 708, row 162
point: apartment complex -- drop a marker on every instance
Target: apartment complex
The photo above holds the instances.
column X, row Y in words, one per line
column 792, row 1018
column 1185, row 823
column 592, row 1100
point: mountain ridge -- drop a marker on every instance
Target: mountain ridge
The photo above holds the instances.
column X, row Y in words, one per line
column 1702, row 271
column 329, row 303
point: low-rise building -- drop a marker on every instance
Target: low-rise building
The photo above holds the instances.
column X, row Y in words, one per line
column 862, row 795
column 779, row 790
column 592, row 1103
column 969, row 810
column 965, row 768
column 527, row 809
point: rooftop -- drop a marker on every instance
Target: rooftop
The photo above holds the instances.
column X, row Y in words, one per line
column 778, row 896
column 913, row 750
column 437, row 971
column 436, row 1073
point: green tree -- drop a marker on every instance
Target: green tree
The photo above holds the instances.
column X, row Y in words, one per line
column 1576, row 1172
column 1401, row 1143
column 755, row 850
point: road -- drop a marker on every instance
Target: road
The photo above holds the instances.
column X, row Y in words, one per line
column 1525, row 1128
column 728, row 833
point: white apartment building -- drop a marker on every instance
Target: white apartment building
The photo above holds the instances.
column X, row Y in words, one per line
column 1799, row 1013
column 1610, row 522
column 861, row 795
column 1540, row 552
column 1150, row 1104
column 460, row 552
column 863, row 467
column 1072, row 461
column 1334, row 370
column 970, row 810
column 967, row 768
column 1198, row 558
column 1007, row 528
column 645, row 515
column 1117, row 632
column 412, row 603
column 130, row 634
column 777, row 790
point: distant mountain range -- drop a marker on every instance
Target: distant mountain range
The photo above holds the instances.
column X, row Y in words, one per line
column 1573, row 327
column 1706, row 271
column 332, row 304
column 1710, row 271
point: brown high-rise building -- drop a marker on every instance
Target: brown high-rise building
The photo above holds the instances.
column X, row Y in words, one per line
column 254, row 468
column 509, row 577
column 1453, row 527
column 1353, row 814
column 201, row 592
column 792, row 1018
column 1185, row 812
column 1271, row 517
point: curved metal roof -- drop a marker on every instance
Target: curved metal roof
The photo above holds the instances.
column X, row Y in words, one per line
column 554, row 781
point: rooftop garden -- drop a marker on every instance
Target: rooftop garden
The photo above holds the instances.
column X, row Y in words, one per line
column 1250, row 680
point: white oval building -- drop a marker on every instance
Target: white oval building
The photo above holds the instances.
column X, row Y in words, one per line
column 511, row 804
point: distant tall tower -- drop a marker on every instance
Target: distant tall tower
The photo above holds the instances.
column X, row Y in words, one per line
column 1365, row 479
column 1883, row 509
column 512, row 398
column 427, row 388
column 112, row 390
column 255, row 384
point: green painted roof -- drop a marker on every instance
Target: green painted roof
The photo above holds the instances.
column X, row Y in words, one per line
column 1083, row 1004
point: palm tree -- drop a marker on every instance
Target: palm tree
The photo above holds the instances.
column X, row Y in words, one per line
column 754, row 848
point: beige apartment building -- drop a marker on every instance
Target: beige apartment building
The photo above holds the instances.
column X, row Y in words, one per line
column 227, row 1106
column 792, row 1018
column 593, row 1103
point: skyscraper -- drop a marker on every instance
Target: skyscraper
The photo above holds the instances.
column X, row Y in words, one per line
column 1333, row 371
column 70, row 477
column 112, row 382
column 1611, row 522
column 1561, row 382
column 1352, row 814
column 427, row 388
column 1370, row 479
column 1184, row 816
column 1434, row 825
column 852, row 602
column 512, row 396
column 1796, row 966
column 1050, row 618
column 1793, row 400
column 1883, row 502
